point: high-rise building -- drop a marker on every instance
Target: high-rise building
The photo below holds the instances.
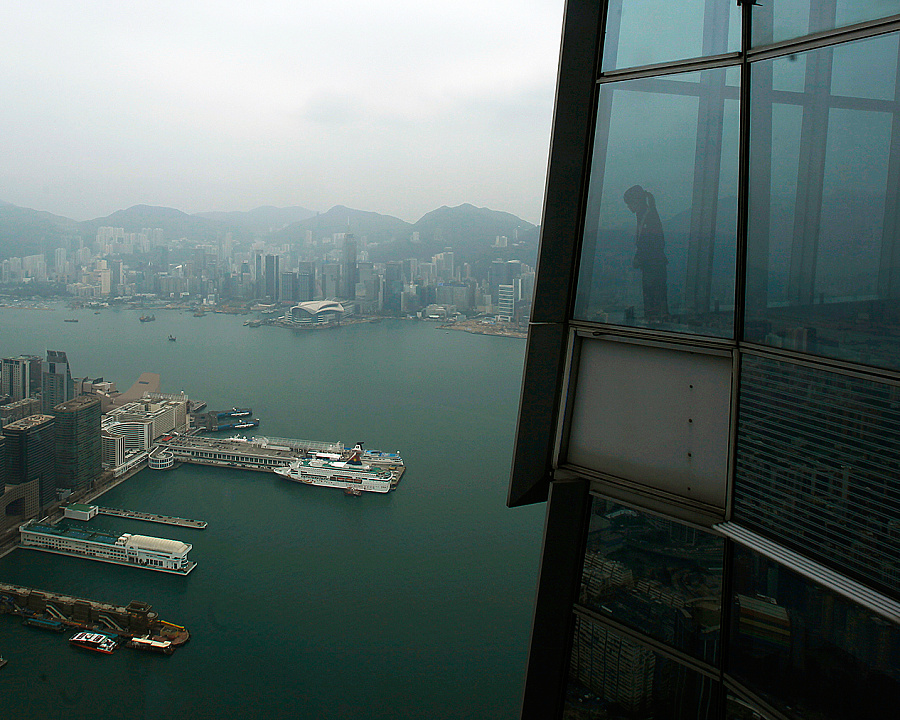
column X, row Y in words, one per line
column 30, row 454
column 15, row 377
column 78, row 444
column 712, row 381
column 349, row 271
column 272, row 277
column 57, row 385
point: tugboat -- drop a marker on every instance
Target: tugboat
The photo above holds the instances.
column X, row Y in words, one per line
column 171, row 338
column 98, row 642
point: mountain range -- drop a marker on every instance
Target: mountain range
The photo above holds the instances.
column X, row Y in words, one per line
column 470, row 231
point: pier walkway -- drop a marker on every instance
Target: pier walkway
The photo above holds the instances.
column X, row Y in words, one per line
column 152, row 517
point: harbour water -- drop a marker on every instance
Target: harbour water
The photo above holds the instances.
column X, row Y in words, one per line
column 306, row 603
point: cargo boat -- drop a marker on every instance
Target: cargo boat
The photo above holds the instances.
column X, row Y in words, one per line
column 345, row 474
column 98, row 642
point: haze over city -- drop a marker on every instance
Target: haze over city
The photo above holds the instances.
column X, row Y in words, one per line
column 396, row 108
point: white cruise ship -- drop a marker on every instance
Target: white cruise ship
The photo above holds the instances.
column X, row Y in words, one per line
column 345, row 474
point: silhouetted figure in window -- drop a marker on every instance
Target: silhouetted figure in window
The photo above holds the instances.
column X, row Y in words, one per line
column 650, row 258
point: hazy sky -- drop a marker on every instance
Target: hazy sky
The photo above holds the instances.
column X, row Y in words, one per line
column 397, row 107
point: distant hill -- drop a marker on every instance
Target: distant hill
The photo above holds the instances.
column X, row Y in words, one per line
column 340, row 219
column 174, row 223
column 24, row 231
column 469, row 230
column 262, row 219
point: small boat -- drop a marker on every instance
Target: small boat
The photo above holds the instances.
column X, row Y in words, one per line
column 3, row 662
column 148, row 643
column 354, row 491
column 97, row 312
column 98, row 642
column 171, row 338
column 148, row 318
column 70, row 320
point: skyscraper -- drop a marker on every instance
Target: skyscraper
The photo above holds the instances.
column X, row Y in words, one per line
column 15, row 377
column 78, row 443
column 712, row 376
column 272, row 277
column 349, row 271
column 30, row 454
column 56, row 381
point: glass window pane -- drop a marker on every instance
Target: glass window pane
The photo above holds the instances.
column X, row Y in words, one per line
column 646, row 32
column 818, row 466
column 660, row 231
column 823, row 265
column 656, row 575
column 786, row 19
column 809, row 652
column 611, row 676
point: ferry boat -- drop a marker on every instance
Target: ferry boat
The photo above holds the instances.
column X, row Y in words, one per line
column 98, row 642
column 345, row 474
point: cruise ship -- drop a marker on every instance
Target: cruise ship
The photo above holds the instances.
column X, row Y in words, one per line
column 328, row 471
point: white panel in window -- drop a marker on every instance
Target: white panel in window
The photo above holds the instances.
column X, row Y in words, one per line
column 654, row 416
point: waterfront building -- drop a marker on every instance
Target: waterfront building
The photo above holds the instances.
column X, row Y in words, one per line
column 113, row 449
column 506, row 303
column 78, row 444
column 30, row 455
column 15, row 377
column 712, row 381
column 57, row 385
column 319, row 311
column 150, row 553
column 272, row 277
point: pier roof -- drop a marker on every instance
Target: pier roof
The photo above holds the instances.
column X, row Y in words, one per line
column 145, row 542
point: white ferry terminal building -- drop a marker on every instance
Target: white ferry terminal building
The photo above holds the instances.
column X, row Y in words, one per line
column 141, row 551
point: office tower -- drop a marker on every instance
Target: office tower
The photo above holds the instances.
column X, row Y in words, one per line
column 56, row 381
column 393, row 287
column 78, row 445
column 271, row 277
column 15, row 377
column 331, row 280
column 506, row 303
column 306, row 281
column 712, row 381
column 349, row 272
column 287, row 289
column 30, row 455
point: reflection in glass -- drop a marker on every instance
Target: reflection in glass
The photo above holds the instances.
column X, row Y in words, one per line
column 807, row 651
column 612, row 677
column 823, row 265
column 679, row 31
column 660, row 230
column 786, row 19
column 818, row 466
column 656, row 575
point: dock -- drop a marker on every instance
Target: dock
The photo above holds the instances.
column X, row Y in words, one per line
column 135, row 619
column 153, row 517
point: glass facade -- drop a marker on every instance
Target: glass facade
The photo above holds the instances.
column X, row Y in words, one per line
column 823, row 250
column 694, row 28
column 788, row 19
column 612, row 676
column 807, row 651
column 660, row 233
column 739, row 199
column 658, row 576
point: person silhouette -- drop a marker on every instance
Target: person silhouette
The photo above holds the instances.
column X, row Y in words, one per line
column 650, row 257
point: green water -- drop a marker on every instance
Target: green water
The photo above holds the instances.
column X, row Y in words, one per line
column 305, row 603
